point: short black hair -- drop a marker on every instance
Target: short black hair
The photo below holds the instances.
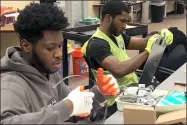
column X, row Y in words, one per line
column 36, row 18
column 114, row 8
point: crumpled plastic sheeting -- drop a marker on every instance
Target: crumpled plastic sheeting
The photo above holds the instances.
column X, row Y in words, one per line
column 140, row 95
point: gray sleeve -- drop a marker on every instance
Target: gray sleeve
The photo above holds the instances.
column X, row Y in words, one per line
column 15, row 105
column 14, row 111
column 99, row 97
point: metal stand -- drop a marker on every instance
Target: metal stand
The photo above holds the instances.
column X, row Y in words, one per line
column 65, row 60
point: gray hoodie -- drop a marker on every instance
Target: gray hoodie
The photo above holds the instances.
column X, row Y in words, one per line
column 27, row 96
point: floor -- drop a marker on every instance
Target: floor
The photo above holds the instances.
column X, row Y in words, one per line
column 171, row 20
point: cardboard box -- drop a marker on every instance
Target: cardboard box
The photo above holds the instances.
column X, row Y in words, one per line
column 142, row 114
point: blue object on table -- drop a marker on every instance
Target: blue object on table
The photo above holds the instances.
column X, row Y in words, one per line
column 176, row 97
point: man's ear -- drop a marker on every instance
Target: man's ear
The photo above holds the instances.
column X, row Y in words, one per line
column 109, row 18
column 26, row 46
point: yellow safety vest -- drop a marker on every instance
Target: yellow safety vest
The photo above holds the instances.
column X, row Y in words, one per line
column 119, row 52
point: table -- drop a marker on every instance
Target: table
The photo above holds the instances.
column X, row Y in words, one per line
column 83, row 33
column 99, row 6
column 178, row 76
column 8, row 28
column 168, row 84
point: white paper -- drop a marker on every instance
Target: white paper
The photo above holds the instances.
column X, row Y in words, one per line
column 165, row 109
column 184, row 70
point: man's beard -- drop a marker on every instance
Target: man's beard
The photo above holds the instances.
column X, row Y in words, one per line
column 38, row 63
column 113, row 29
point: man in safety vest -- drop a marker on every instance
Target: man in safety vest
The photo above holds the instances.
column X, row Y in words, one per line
column 107, row 46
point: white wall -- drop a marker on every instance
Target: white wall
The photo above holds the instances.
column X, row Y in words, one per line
column 76, row 11
column 93, row 12
column 73, row 10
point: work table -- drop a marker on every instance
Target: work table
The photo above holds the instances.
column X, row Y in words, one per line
column 178, row 76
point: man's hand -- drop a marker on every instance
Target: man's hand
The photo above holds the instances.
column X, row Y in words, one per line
column 82, row 102
column 151, row 41
column 168, row 36
column 107, row 84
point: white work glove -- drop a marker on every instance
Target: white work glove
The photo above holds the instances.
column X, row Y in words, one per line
column 82, row 102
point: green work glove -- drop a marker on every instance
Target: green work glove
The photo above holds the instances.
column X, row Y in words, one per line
column 168, row 36
column 151, row 41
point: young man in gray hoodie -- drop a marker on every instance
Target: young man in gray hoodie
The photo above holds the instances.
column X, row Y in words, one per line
column 29, row 72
